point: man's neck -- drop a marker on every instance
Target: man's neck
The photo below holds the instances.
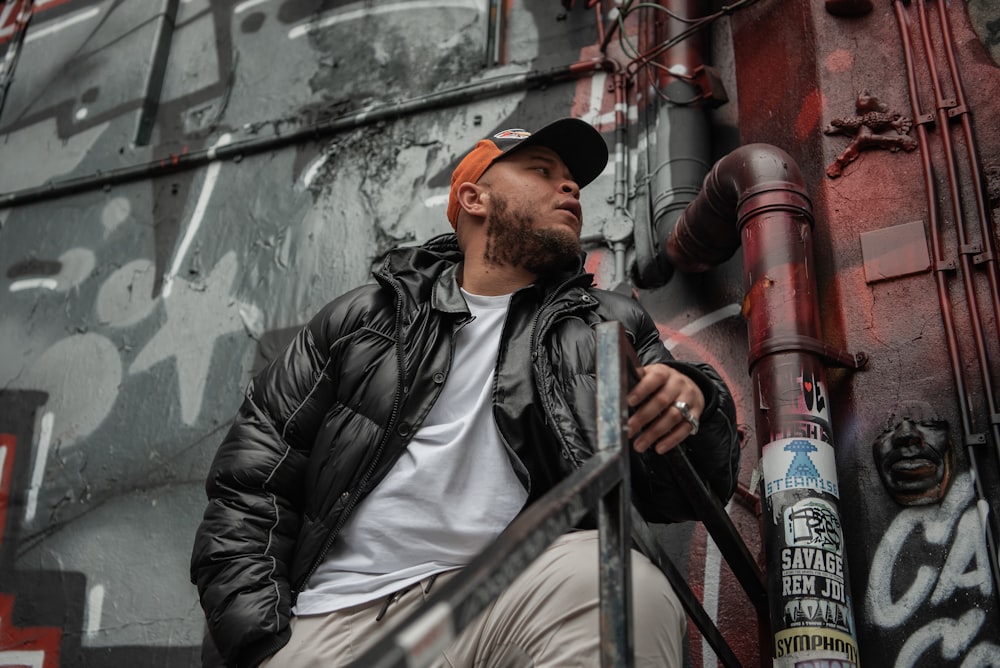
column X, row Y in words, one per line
column 491, row 280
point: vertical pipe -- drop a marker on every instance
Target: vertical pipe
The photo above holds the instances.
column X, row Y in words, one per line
column 965, row 251
column 681, row 143
column 683, row 139
column 941, row 267
column 755, row 197
column 617, row 233
column 989, row 246
column 986, row 235
column 494, row 22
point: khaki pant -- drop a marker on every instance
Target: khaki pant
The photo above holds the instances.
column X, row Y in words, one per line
column 548, row 618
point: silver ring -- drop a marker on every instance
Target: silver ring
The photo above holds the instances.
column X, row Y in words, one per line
column 685, row 412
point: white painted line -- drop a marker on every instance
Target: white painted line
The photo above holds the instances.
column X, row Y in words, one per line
column 95, row 608
column 309, row 26
column 38, row 473
column 51, row 28
column 437, row 200
column 310, row 174
column 211, row 176
column 31, row 659
column 32, row 283
column 6, row 10
column 703, row 322
column 593, row 114
column 243, row 6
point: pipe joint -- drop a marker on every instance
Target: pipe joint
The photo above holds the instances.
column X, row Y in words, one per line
column 773, row 198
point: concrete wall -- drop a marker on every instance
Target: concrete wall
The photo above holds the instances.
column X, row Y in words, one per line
column 143, row 282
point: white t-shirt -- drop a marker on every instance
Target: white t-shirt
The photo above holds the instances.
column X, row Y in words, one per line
column 450, row 494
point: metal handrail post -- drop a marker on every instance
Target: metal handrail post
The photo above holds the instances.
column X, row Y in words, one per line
column 611, row 336
column 614, row 516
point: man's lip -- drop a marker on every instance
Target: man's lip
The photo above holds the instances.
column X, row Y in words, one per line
column 574, row 208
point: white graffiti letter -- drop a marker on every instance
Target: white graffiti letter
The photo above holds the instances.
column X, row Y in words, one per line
column 968, row 546
column 938, row 524
column 953, row 635
column 983, row 655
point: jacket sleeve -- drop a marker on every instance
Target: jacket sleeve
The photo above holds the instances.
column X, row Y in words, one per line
column 243, row 546
column 714, row 451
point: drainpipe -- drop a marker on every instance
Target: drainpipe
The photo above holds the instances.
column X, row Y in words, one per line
column 683, row 140
column 755, row 198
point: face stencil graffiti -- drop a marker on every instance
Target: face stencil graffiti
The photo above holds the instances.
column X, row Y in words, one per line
column 915, row 456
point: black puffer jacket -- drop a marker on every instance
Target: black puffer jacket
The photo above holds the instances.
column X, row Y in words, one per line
column 327, row 419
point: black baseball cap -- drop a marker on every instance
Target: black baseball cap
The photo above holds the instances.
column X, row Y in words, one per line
column 579, row 145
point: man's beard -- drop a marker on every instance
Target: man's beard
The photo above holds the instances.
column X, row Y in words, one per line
column 512, row 241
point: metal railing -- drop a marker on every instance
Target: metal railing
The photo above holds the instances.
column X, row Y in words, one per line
column 603, row 481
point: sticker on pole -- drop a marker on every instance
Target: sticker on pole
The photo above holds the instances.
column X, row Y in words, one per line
column 813, row 523
column 799, row 463
column 815, row 648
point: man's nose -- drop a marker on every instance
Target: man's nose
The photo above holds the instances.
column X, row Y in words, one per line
column 570, row 188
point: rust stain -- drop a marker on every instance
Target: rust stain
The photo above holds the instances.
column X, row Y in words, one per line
column 763, row 283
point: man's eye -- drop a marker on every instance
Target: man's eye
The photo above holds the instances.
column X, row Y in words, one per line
column 544, row 171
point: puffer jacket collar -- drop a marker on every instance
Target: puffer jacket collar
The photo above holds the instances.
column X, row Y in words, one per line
column 414, row 271
column 438, row 262
column 446, row 295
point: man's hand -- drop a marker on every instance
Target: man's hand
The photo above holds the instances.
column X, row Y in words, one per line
column 656, row 421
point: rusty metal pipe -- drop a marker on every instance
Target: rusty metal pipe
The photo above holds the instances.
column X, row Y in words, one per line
column 755, row 198
column 680, row 140
column 753, row 176
column 972, row 155
column 965, row 249
column 986, row 254
column 682, row 134
column 941, row 268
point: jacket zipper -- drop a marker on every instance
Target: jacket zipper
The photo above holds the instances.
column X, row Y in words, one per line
column 546, row 404
column 394, row 416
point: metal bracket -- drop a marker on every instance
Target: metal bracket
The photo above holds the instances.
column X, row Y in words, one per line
column 975, row 439
column 797, row 343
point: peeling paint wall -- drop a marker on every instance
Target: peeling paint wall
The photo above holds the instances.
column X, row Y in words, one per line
column 137, row 299
column 134, row 314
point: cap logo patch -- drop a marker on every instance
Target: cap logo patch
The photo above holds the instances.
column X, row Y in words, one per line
column 516, row 133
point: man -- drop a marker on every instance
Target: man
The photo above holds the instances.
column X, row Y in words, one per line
column 411, row 420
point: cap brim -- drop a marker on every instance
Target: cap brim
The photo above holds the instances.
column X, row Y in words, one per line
column 578, row 144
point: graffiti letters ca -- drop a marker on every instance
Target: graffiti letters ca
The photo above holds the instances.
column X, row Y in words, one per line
column 909, row 592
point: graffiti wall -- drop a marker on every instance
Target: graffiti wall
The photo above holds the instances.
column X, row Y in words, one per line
column 899, row 283
column 184, row 182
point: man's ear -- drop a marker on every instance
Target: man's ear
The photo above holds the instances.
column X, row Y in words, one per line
column 473, row 199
